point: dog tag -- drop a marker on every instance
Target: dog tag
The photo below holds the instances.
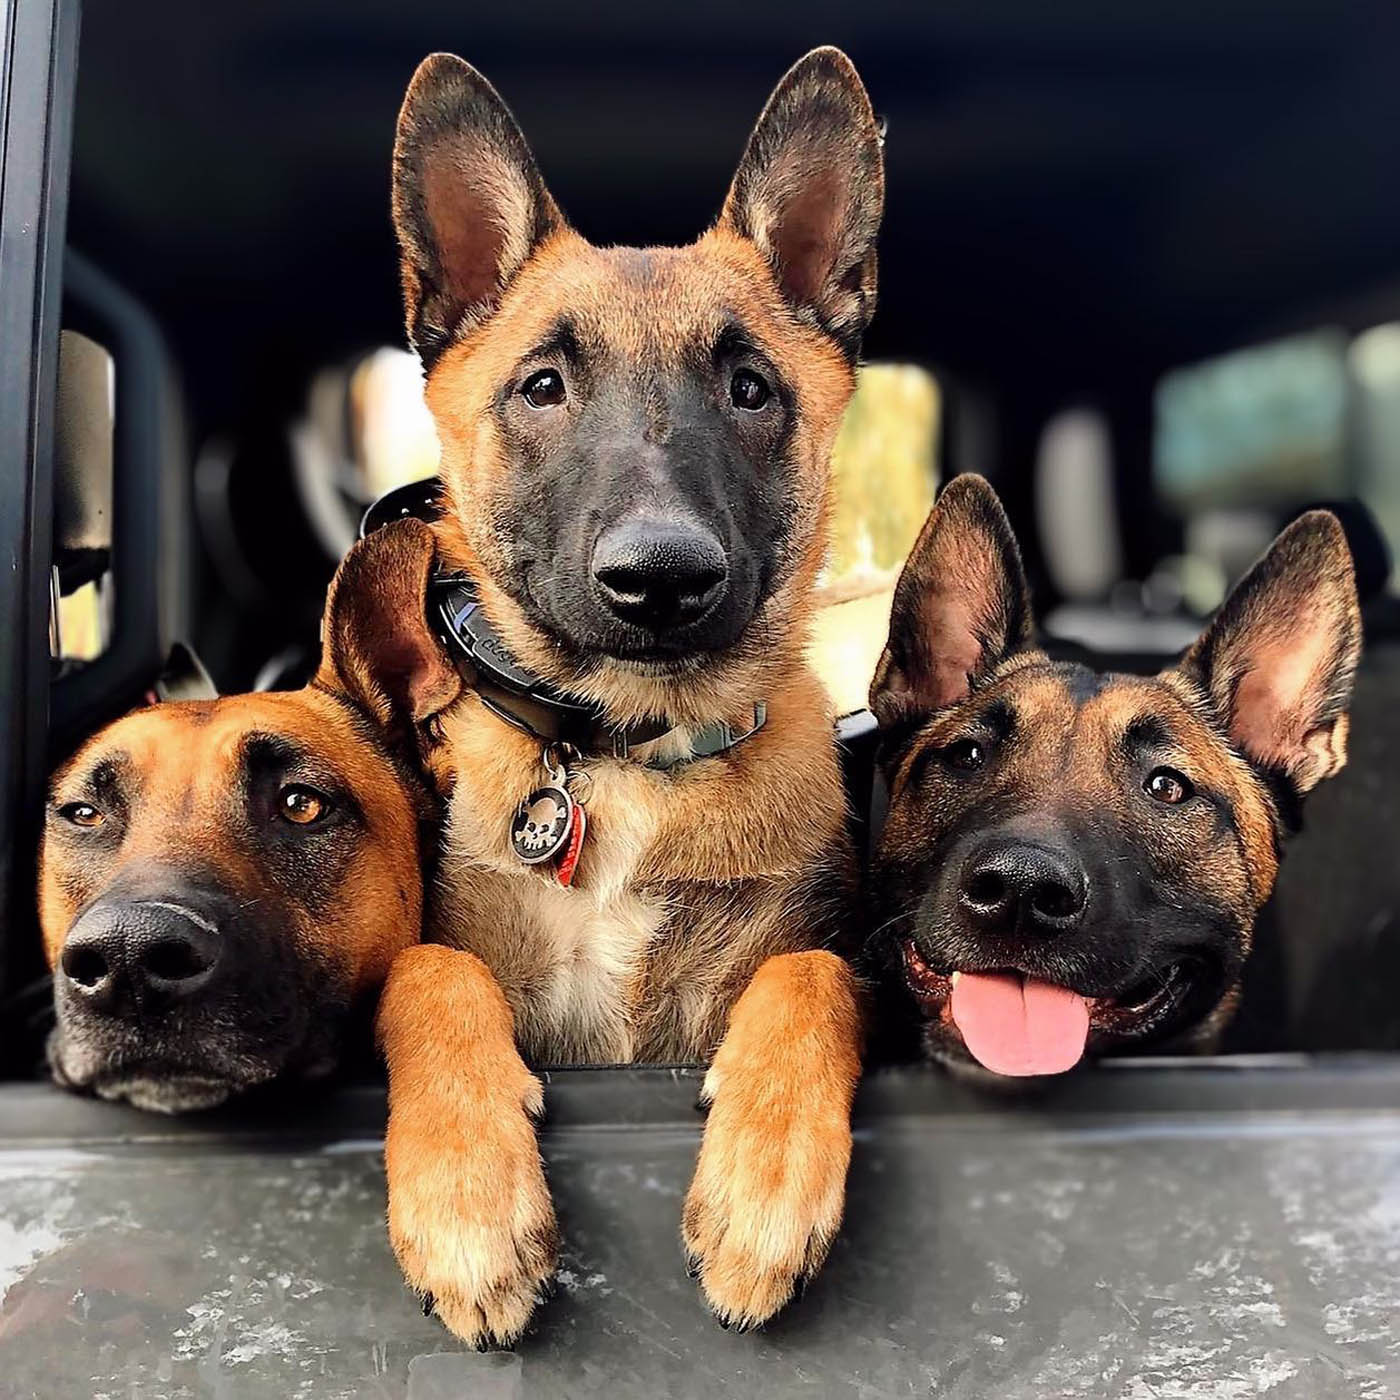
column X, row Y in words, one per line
column 568, row 862
column 543, row 824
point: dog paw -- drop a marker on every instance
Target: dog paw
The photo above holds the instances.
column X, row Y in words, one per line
column 764, row 1206
column 470, row 1218
column 770, row 1183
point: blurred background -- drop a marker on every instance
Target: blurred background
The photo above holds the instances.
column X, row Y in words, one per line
column 1140, row 266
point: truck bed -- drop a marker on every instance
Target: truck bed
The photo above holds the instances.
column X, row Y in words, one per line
column 1214, row 1228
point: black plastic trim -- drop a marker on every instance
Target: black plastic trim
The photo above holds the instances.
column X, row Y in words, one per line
column 150, row 530
column 38, row 66
column 1278, row 1088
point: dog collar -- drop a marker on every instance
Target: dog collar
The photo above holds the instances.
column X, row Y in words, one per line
column 532, row 704
column 516, row 695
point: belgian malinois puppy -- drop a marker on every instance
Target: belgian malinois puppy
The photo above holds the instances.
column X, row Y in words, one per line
column 224, row 883
column 1073, row 861
column 635, row 449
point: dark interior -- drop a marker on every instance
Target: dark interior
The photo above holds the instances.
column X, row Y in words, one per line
column 1081, row 198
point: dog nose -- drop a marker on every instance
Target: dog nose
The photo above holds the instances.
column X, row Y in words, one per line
column 138, row 958
column 659, row 573
column 1019, row 886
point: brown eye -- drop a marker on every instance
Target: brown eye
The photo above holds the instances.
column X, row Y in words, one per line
column 748, row 390
column 81, row 814
column 1168, row 786
column 302, row 805
column 966, row 755
column 544, row 389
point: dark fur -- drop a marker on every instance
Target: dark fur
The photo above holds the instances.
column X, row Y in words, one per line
column 1254, row 716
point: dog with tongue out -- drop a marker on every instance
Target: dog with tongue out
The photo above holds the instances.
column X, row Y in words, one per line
column 1073, row 860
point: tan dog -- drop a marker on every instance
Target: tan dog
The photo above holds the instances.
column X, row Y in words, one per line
column 224, row 883
column 635, row 452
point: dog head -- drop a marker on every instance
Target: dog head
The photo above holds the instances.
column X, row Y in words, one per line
column 635, row 442
column 1073, row 858
column 221, row 882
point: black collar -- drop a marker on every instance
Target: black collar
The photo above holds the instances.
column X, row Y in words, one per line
column 516, row 695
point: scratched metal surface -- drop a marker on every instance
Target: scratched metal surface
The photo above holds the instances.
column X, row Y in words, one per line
column 1161, row 1233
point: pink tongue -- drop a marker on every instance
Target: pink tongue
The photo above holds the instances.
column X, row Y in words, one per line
column 1016, row 1025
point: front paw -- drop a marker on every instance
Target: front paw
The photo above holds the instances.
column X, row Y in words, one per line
column 766, row 1201
column 470, row 1217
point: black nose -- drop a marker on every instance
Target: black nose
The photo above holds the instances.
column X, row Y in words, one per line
column 1018, row 886
column 659, row 573
column 139, row 957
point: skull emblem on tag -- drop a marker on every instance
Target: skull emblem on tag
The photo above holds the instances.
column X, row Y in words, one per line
column 541, row 826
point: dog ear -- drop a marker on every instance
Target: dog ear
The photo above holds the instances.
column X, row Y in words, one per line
column 810, row 190
column 469, row 204
column 961, row 606
column 1279, row 658
column 376, row 645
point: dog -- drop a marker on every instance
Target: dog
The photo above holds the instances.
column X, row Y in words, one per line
column 1073, row 861
column 635, row 447
column 223, row 884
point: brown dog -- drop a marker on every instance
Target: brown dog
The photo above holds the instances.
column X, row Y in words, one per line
column 635, row 449
column 1073, row 860
column 222, row 883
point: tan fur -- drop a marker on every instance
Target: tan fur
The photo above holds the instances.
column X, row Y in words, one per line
column 186, row 754
column 769, row 1187
column 692, row 879
column 586, row 968
column 962, row 601
column 470, row 1217
column 1279, row 660
column 680, row 304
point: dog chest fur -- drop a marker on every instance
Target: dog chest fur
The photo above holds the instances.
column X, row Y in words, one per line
column 565, row 957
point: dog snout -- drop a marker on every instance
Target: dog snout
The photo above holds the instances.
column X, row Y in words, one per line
column 135, row 958
column 659, row 573
column 1018, row 886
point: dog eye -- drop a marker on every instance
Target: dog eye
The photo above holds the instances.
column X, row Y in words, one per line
column 1168, row 786
column 966, row 755
column 544, row 389
column 748, row 390
column 81, row 814
column 302, row 805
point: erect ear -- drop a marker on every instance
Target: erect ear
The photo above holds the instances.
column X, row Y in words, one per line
column 469, row 204
column 810, row 190
column 1279, row 658
column 961, row 606
column 376, row 645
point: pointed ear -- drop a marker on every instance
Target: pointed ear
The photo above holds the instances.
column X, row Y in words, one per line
column 1279, row 658
column 469, row 204
column 809, row 193
column 961, row 606
column 376, row 645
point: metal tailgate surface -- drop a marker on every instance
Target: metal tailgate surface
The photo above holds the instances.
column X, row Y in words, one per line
column 1217, row 1229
